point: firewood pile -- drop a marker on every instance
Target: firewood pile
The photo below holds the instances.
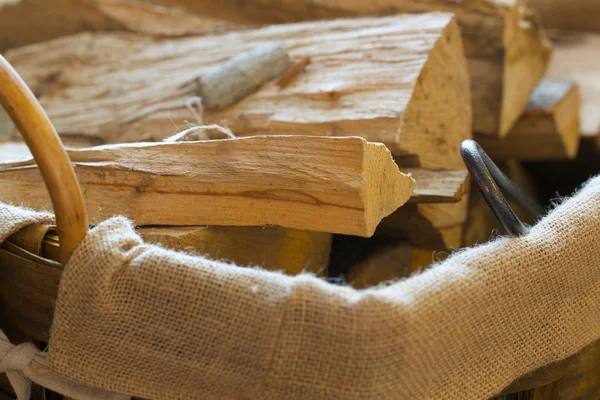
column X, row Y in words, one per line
column 304, row 136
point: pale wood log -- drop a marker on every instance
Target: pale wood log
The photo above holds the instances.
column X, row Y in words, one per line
column 289, row 250
column 507, row 50
column 548, row 130
column 337, row 185
column 30, row 21
column 399, row 80
column 577, row 15
column 576, row 58
column 431, row 186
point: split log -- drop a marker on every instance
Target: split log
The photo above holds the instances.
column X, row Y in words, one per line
column 579, row 15
column 506, row 49
column 548, row 130
column 398, row 80
column 24, row 22
column 288, row 250
column 390, row 263
column 337, row 185
column 387, row 264
column 576, row 58
column 438, row 186
column 434, row 226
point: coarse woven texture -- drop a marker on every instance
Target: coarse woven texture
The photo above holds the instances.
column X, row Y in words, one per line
column 138, row 319
column 13, row 219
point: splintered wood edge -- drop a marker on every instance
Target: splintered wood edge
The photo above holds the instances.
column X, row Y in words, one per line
column 385, row 188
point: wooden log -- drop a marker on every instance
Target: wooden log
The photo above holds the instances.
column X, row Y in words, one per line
column 338, row 185
column 434, row 226
column 548, row 130
column 438, row 186
column 289, row 250
column 74, row 16
column 387, row 264
column 576, row 58
column 506, row 49
column 580, row 15
column 398, row 80
column 390, row 263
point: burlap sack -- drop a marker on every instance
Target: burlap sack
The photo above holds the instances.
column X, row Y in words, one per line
column 24, row 363
column 142, row 320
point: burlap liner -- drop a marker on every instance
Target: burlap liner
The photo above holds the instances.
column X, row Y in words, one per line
column 139, row 319
column 24, row 363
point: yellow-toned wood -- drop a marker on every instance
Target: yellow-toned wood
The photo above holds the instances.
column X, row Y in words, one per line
column 386, row 264
column 290, row 250
column 74, row 16
column 438, row 186
column 386, row 79
column 434, row 226
column 503, row 41
column 336, row 185
column 51, row 157
column 576, row 58
column 548, row 130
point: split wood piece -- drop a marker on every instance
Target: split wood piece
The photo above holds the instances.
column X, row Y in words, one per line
column 506, row 48
column 390, row 263
column 438, row 186
column 576, row 58
column 289, row 250
column 337, row 185
column 398, row 80
column 74, row 16
column 548, row 130
column 431, row 186
column 580, row 15
column 434, row 226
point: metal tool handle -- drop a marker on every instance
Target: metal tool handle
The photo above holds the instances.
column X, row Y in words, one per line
column 50, row 155
column 489, row 179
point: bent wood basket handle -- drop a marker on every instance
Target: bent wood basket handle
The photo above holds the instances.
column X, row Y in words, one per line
column 50, row 155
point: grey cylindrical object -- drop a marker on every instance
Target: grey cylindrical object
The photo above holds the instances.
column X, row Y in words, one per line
column 227, row 83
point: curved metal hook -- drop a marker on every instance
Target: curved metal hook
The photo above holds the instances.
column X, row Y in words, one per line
column 489, row 179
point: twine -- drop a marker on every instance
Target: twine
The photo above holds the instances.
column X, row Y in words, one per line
column 25, row 364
